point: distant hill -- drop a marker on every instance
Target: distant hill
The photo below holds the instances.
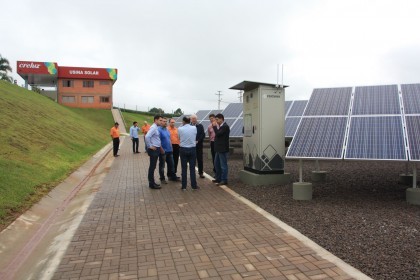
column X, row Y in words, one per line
column 41, row 142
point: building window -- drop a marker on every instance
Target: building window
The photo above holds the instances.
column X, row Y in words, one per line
column 68, row 99
column 87, row 83
column 68, row 83
column 104, row 99
column 87, row 99
column 104, row 82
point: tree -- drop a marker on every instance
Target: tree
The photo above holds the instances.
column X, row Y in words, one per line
column 157, row 110
column 4, row 68
column 178, row 112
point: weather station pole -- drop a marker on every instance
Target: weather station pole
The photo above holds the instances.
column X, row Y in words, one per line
column 219, row 99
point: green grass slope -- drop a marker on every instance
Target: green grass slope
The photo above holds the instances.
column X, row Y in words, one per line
column 130, row 117
column 41, row 142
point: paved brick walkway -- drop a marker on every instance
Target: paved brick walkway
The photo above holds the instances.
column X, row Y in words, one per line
column 133, row 232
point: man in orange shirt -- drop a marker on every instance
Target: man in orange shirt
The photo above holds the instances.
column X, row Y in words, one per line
column 145, row 128
column 175, row 142
column 115, row 135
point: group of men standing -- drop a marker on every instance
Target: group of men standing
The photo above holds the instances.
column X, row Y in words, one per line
column 186, row 142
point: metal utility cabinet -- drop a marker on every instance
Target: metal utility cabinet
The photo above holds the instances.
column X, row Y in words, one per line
column 264, row 137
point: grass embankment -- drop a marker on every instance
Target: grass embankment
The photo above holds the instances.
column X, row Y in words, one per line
column 41, row 142
column 129, row 118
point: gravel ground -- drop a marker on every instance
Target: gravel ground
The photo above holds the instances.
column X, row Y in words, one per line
column 360, row 213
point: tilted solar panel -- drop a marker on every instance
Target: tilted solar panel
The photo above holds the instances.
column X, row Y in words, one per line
column 236, row 129
column 413, row 134
column 287, row 105
column 329, row 101
column 297, row 109
column 319, row 137
column 376, row 138
column 202, row 114
column 411, row 98
column 291, row 125
column 233, row 110
column 374, row 100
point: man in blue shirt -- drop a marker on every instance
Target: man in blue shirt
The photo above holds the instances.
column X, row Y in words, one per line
column 165, row 139
column 187, row 137
column 134, row 134
column 154, row 148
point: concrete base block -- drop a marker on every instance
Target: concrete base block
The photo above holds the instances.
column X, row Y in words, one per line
column 302, row 191
column 406, row 179
column 412, row 195
column 254, row 179
column 319, row 176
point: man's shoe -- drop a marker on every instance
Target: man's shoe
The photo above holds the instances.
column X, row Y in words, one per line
column 137, row 152
column 196, row 188
column 222, row 183
column 155, row 186
column 163, row 181
column 215, row 181
column 116, row 155
column 202, row 176
column 184, row 189
column 174, row 179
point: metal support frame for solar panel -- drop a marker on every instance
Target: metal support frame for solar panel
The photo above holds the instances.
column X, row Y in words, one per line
column 326, row 125
column 410, row 94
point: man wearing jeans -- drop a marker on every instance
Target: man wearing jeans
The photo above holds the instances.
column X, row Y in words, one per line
column 221, row 147
column 154, row 148
column 187, row 137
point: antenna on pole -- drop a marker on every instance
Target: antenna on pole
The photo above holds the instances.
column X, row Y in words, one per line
column 277, row 84
column 240, row 96
column 219, row 99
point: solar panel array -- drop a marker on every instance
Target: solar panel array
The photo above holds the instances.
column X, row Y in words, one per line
column 233, row 114
column 365, row 123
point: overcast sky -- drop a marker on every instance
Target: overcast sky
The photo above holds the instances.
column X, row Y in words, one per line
column 180, row 53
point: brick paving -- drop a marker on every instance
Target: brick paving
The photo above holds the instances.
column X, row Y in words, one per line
column 133, row 232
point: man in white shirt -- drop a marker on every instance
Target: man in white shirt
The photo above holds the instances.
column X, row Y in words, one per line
column 187, row 137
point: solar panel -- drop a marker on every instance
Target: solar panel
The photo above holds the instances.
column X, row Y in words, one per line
column 287, row 105
column 413, row 135
column 233, row 110
column 319, row 137
column 297, row 109
column 205, row 124
column 202, row 114
column 291, row 125
column 376, row 137
column 230, row 121
column 411, row 98
column 236, row 129
column 371, row 100
column 329, row 101
column 215, row 112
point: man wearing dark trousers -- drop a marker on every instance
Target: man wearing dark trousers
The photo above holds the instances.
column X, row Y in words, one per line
column 175, row 143
column 187, row 137
column 154, row 148
column 134, row 135
column 199, row 143
column 115, row 135
column 221, row 147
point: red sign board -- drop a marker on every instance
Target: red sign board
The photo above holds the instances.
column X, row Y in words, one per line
column 87, row 73
column 32, row 67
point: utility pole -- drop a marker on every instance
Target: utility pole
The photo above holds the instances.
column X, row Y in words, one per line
column 240, row 96
column 219, row 99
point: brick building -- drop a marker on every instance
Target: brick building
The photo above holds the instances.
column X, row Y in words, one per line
column 80, row 87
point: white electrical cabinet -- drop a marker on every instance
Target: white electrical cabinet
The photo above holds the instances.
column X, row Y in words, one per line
column 263, row 139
